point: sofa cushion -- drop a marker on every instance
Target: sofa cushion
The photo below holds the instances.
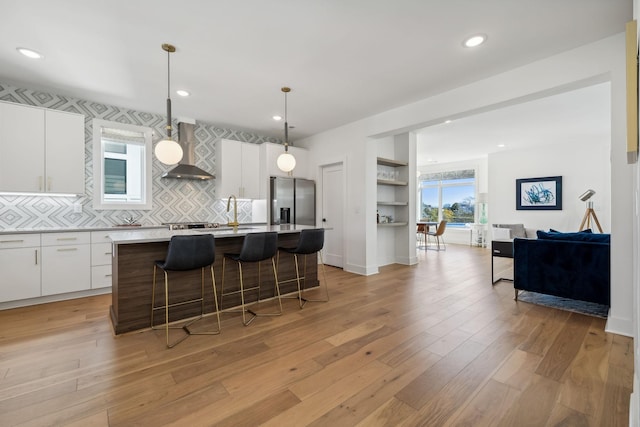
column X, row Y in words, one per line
column 581, row 236
column 500, row 233
column 588, row 230
column 517, row 230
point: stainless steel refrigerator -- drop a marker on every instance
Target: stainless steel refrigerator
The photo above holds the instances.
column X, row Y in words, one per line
column 293, row 201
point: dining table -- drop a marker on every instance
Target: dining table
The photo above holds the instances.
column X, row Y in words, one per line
column 423, row 228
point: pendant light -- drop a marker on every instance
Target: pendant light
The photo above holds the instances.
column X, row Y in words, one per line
column 167, row 150
column 286, row 162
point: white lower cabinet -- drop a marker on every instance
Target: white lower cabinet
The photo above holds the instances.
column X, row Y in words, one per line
column 20, row 266
column 101, row 254
column 66, row 262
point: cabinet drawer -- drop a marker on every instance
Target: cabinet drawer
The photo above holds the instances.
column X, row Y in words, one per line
column 12, row 241
column 101, row 254
column 65, row 268
column 100, row 237
column 71, row 238
column 100, row 276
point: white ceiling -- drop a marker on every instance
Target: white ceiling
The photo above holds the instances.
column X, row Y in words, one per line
column 344, row 59
column 582, row 115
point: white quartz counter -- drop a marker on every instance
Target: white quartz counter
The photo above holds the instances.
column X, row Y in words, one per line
column 32, row 230
column 121, row 237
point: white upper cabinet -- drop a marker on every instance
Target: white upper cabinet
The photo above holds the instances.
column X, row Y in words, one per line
column 41, row 150
column 21, row 148
column 301, row 155
column 64, row 152
column 238, row 169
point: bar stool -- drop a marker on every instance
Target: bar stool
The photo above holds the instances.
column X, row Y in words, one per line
column 186, row 253
column 310, row 242
column 256, row 247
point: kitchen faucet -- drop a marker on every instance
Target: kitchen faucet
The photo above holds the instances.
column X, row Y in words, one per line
column 235, row 222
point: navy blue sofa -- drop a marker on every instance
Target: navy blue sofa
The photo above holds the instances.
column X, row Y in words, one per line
column 569, row 265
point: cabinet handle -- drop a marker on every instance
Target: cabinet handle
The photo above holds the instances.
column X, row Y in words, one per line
column 11, row 241
column 107, row 275
column 36, row 251
column 48, row 183
column 67, row 238
column 67, row 249
column 107, row 253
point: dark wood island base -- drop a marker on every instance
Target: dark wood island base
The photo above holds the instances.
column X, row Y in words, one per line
column 133, row 281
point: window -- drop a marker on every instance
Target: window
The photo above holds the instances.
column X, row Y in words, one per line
column 448, row 196
column 121, row 166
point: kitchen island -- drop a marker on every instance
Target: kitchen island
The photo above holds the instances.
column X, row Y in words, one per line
column 135, row 252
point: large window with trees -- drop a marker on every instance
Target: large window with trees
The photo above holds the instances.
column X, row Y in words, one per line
column 448, row 196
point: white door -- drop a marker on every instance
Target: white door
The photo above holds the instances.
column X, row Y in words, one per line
column 332, row 214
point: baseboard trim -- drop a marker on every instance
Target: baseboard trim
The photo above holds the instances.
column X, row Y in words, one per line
column 53, row 298
column 359, row 269
column 634, row 404
column 617, row 325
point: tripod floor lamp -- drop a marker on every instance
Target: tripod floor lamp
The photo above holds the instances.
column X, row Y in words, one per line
column 589, row 213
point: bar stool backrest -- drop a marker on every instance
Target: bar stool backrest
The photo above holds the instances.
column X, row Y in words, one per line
column 258, row 246
column 189, row 252
column 311, row 241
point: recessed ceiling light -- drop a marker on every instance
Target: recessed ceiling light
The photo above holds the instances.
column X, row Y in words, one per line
column 30, row 53
column 446, row 122
column 277, row 118
column 501, row 145
column 183, row 92
column 475, row 40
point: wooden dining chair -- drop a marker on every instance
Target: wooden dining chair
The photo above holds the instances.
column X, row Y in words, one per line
column 438, row 234
column 421, row 233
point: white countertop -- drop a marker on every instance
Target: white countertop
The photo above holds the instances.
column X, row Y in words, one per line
column 31, row 230
column 121, row 237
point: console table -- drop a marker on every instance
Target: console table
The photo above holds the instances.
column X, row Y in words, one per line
column 502, row 249
column 479, row 231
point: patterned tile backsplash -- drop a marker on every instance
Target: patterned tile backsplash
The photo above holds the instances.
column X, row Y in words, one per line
column 173, row 200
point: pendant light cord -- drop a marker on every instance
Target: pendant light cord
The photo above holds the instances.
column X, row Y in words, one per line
column 168, row 74
column 286, row 125
column 169, row 127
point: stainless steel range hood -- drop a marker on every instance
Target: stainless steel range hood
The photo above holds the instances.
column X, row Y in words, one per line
column 187, row 169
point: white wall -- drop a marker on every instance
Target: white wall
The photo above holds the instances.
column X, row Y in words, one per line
column 634, row 404
column 597, row 62
column 581, row 166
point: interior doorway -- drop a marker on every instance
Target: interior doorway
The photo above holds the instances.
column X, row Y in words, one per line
column 332, row 214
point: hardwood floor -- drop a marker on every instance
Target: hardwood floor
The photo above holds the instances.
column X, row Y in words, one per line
column 428, row 345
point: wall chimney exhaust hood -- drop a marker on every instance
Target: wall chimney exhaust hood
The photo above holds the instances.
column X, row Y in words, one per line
column 187, row 169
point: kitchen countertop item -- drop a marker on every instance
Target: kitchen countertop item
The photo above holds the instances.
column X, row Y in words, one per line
column 164, row 235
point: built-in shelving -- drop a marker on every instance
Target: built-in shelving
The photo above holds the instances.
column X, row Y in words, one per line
column 391, row 182
column 383, row 203
column 391, row 173
column 390, row 162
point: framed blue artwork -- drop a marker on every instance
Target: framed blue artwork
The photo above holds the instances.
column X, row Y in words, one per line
column 539, row 193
